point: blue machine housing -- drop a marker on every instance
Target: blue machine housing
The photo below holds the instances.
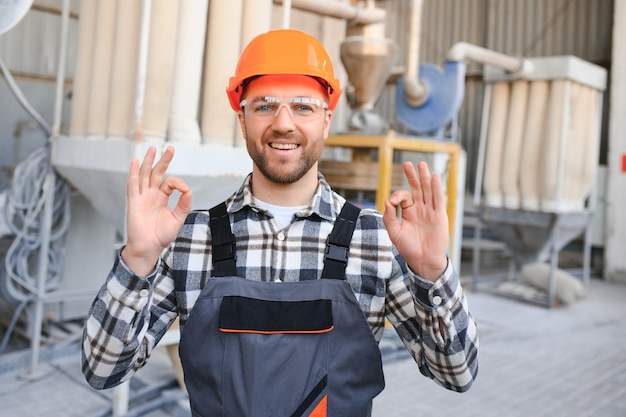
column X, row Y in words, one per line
column 445, row 95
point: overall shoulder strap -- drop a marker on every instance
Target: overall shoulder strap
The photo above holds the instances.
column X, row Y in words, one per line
column 338, row 243
column 223, row 242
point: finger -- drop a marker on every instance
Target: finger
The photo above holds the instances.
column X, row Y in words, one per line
column 183, row 206
column 390, row 218
column 439, row 199
column 171, row 184
column 132, row 185
column 425, row 182
column 146, row 168
column 402, row 198
column 414, row 181
column 157, row 173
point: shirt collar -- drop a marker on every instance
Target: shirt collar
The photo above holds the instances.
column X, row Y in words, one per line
column 321, row 204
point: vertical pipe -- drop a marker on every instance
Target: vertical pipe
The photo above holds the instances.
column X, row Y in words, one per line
column 124, row 73
column 102, row 65
column 84, row 64
column 183, row 120
column 42, row 272
column 120, row 399
column 416, row 94
column 219, row 123
column 58, row 101
column 159, row 70
column 142, row 68
column 286, row 14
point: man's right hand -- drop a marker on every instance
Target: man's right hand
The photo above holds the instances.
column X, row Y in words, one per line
column 151, row 224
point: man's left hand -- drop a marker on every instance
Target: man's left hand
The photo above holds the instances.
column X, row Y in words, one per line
column 422, row 236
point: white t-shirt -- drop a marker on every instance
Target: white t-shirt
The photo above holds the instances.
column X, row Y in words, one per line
column 282, row 214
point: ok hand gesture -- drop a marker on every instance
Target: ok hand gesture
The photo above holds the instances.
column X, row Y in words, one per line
column 151, row 224
column 422, row 235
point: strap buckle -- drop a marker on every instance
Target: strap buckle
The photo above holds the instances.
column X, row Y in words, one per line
column 336, row 253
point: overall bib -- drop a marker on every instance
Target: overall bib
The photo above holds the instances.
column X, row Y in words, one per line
column 260, row 349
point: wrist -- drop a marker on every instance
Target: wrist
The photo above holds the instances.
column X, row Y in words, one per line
column 430, row 272
column 139, row 263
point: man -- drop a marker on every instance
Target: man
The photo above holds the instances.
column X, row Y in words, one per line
column 298, row 335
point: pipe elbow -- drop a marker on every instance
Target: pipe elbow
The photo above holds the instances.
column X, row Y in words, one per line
column 416, row 91
column 458, row 52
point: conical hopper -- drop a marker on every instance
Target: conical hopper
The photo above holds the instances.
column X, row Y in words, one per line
column 368, row 63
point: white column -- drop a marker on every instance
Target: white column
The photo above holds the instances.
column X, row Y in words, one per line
column 615, row 221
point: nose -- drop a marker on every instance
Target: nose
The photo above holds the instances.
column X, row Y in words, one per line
column 280, row 107
column 283, row 120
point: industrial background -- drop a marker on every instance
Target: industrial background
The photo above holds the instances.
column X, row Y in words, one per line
column 519, row 103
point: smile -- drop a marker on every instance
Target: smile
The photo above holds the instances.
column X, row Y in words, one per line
column 284, row 146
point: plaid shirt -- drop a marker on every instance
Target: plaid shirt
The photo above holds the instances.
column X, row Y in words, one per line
column 130, row 314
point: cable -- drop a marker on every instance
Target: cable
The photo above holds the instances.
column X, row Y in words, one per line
column 23, row 212
column 16, row 314
column 22, row 100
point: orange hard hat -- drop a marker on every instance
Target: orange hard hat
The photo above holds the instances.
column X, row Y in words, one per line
column 284, row 51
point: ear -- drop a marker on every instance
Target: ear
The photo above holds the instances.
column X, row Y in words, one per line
column 242, row 122
column 327, row 118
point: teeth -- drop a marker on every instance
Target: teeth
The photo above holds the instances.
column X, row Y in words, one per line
column 284, row 146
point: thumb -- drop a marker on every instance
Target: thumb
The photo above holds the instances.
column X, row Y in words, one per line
column 390, row 218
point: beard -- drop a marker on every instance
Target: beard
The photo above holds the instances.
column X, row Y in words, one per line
column 284, row 170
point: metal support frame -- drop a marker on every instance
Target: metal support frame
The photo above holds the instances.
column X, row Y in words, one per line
column 386, row 145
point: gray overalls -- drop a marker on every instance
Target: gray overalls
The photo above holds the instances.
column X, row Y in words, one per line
column 260, row 349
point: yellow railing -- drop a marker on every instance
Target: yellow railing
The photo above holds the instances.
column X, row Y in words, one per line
column 386, row 146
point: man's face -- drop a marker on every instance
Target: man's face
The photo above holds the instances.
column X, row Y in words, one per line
column 285, row 123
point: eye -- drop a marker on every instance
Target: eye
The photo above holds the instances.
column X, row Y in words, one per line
column 264, row 108
column 302, row 108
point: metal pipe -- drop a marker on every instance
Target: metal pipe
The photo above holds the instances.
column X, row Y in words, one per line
column 142, row 66
column 42, row 274
column 416, row 92
column 462, row 50
column 58, row 102
column 286, row 14
column 331, row 8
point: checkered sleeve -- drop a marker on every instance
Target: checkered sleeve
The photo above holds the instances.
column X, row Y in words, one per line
column 125, row 321
column 434, row 322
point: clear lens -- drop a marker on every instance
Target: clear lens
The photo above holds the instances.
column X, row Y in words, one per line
column 300, row 108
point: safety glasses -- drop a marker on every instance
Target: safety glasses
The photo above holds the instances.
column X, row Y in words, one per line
column 300, row 108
